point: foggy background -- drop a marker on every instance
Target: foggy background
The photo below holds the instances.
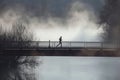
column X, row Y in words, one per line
column 78, row 20
column 49, row 19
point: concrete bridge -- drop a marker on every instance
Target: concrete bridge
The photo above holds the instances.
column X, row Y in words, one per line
column 50, row 47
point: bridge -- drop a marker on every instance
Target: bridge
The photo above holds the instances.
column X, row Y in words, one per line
column 47, row 46
column 53, row 44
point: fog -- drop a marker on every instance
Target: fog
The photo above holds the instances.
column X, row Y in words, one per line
column 75, row 20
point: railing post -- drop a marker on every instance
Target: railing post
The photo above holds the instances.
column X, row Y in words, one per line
column 84, row 44
column 101, row 45
column 54, row 44
column 49, row 43
column 37, row 44
column 70, row 44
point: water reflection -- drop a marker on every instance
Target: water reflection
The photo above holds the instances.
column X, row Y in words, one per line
column 78, row 68
column 59, row 68
column 18, row 67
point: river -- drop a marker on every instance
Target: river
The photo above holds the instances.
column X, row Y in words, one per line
column 78, row 68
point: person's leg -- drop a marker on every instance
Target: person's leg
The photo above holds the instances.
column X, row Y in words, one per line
column 61, row 44
column 58, row 45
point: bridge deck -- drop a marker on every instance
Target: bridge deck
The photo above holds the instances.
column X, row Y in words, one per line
column 50, row 48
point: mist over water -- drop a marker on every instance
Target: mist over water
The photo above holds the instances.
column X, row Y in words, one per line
column 80, row 25
column 73, row 19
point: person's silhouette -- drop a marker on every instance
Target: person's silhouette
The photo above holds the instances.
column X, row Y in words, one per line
column 60, row 41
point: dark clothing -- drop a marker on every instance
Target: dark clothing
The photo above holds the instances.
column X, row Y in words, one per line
column 60, row 41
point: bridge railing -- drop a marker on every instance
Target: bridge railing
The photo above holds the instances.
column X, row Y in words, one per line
column 53, row 44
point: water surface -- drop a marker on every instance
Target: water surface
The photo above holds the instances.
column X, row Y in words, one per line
column 78, row 68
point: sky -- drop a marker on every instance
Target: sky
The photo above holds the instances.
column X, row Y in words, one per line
column 74, row 20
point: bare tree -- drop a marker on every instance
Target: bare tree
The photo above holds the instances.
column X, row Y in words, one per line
column 110, row 18
column 10, row 66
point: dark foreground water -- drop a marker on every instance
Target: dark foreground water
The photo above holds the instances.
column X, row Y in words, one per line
column 78, row 68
